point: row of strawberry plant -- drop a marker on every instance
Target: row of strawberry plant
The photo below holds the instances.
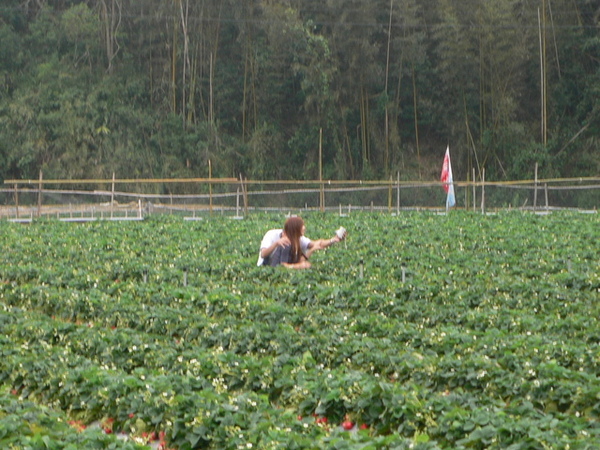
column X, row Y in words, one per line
column 440, row 364
column 344, row 324
column 26, row 424
column 199, row 319
column 166, row 398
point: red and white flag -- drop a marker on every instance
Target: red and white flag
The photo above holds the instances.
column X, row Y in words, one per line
column 447, row 179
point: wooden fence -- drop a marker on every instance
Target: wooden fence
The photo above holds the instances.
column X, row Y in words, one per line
column 133, row 199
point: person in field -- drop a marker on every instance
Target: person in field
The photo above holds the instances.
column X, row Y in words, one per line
column 289, row 247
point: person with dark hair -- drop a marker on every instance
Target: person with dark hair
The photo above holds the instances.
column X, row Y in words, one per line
column 289, row 247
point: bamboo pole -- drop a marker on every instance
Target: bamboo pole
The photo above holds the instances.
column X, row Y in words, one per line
column 542, row 39
column 322, row 191
column 112, row 196
column 535, row 187
column 174, row 69
column 554, row 40
column 416, row 119
column 213, row 181
column 398, row 193
column 210, row 91
column 474, row 192
column 390, row 196
column 17, row 201
column 483, row 191
column 545, row 80
column 387, row 73
column 39, row 206
column 210, row 201
column 244, row 195
column 246, row 202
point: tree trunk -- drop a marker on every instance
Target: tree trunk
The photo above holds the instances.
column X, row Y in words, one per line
column 184, row 12
column 174, row 70
column 387, row 118
column 364, row 124
column 111, row 16
column 414, row 82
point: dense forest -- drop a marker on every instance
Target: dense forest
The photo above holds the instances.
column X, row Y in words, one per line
column 158, row 88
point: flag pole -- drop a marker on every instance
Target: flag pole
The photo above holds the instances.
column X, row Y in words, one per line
column 447, row 180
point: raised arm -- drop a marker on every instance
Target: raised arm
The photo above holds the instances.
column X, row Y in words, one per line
column 320, row 244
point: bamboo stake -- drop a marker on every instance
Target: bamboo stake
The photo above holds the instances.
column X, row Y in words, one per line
column 210, row 201
column 483, row 191
column 535, row 184
column 474, row 192
column 17, row 201
column 244, row 194
column 390, row 196
column 39, row 208
column 398, row 194
column 112, row 196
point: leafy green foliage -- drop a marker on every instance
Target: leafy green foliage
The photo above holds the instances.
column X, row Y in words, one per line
column 155, row 89
column 25, row 424
column 424, row 331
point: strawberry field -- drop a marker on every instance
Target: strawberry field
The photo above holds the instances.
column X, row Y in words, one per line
column 420, row 331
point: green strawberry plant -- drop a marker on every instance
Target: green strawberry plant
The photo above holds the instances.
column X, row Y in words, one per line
column 421, row 330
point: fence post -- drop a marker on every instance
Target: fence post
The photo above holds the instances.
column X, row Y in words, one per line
column 390, row 196
column 546, row 194
column 535, row 188
column 398, row 195
column 246, row 198
column 474, row 193
column 483, row 191
column 112, row 196
column 244, row 194
column 210, row 201
column 17, row 200
column 39, row 207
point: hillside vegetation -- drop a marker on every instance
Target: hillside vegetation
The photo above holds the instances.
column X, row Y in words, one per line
column 157, row 89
